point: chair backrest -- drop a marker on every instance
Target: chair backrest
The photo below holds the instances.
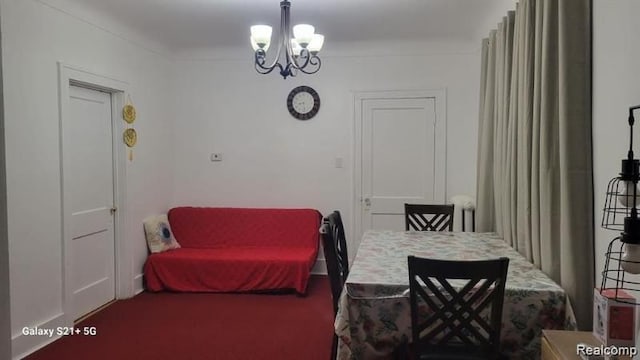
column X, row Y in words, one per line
column 428, row 217
column 459, row 314
column 336, row 258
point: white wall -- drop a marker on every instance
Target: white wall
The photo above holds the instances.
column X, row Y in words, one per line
column 616, row 51
column 35, row 38
column 271, row 159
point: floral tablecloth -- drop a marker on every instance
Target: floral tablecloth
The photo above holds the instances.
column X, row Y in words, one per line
column 374, row 315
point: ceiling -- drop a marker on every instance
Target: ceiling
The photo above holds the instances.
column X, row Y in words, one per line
column 189, row 24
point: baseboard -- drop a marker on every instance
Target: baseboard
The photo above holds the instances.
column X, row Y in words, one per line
column 24, row 345
column 137, row 284
column 319, row 268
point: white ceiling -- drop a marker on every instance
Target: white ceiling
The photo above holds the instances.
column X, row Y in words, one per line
column 191, row 24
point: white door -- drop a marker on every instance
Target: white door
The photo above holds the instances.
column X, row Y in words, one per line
column 401, row 160
column 90, row 180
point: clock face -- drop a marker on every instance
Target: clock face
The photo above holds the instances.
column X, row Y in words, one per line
column 303, row 103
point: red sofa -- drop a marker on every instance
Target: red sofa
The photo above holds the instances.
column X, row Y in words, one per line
column 235, row 249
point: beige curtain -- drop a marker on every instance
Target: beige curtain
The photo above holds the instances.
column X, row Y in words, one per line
column 535, row 185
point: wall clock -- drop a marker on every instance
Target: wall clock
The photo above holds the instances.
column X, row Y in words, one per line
column 303, row 103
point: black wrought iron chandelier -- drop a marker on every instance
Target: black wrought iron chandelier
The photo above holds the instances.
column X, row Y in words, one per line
column 621, row 214
column 300, row 51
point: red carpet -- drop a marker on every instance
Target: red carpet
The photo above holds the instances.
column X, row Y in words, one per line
column 181, row 326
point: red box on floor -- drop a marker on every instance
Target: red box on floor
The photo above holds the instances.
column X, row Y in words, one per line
column 614, row 320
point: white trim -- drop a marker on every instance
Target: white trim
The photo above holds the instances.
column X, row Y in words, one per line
column 69, row 75
column 440, row 183
column 319, row 267
column 24, row 345
column 137, row 284
column 352, row 242
column 5, row 289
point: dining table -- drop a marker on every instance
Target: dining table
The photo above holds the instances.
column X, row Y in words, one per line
column 374, row 315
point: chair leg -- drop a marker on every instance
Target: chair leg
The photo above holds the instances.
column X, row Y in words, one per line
column 473, row 220
column 463, row 220
column 402, row 352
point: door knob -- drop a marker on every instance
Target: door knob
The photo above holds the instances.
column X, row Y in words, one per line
column 367, row 202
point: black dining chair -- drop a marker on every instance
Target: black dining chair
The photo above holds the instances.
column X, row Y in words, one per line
column 421, row 217
column 334, row 245
column 458, row 322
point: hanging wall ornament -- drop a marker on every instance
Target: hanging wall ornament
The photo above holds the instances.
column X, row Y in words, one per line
column 129, row 112
column 129, row 116
column 130, row 138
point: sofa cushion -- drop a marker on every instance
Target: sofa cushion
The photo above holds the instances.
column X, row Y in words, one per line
column 230, row 269
column 158, row 233
column 240, row 227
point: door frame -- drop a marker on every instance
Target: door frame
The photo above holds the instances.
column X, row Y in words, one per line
column 74, row 76
column 439, row 96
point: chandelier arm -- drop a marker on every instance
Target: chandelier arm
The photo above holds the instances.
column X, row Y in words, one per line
column 314, row 60
column 284, row 14
column 304, row 54
column 289, row 71
column 259, row 60
column 266, row 70
column 260, row 65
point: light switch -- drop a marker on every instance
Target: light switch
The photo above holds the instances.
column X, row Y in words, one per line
column 216, row 156
column 338, row 162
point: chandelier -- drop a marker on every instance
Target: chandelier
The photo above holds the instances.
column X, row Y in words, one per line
column 300, row 51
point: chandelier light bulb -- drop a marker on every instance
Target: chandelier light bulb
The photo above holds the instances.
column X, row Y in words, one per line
column 261, row 34
column 630, row 260
column 316, row 43
column 303, row 34
column 625, row 197
column 255, row 46
column 296, row 49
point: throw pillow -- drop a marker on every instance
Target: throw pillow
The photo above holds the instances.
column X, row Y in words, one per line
column 158, row 233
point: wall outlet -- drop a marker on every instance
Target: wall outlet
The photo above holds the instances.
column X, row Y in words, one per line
column 338, row 163
column 216, row 156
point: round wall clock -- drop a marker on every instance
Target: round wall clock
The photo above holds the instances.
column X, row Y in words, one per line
column 303, row 103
